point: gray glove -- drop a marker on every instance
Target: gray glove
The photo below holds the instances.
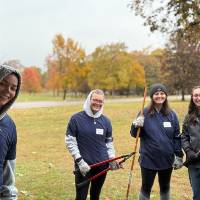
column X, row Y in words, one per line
column 139, row 121
column 114, row 165
column 178, row 162
column 83, row 167
column 191, row 155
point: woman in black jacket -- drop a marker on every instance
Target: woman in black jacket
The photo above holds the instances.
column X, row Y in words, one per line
column 191, row 141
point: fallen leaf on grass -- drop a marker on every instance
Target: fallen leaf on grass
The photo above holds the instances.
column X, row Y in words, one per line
column 26, row 193
column 19, row 174
column 50, row 165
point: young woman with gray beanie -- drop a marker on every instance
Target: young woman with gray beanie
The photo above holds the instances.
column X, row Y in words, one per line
column 160, row 143
column 10, row 82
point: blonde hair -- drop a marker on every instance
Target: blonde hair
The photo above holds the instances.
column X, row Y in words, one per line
column 97, row 91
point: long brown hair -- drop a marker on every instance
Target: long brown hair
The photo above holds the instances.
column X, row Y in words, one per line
column 165, row 110
column 193, row 110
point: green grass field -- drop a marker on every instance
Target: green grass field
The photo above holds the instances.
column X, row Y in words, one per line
column 23, row 96
column 46, row 96
column 44, row 166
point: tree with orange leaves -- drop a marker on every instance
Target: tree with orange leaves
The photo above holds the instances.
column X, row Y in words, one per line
column 31, row 80
column 67, row 66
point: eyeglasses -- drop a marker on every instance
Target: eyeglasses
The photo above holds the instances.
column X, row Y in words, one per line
column 97, row 101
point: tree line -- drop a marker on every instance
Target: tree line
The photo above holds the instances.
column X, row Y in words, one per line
column 116, row 70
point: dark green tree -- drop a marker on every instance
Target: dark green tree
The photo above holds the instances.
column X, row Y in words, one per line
column 181, row 64
column 169, row 15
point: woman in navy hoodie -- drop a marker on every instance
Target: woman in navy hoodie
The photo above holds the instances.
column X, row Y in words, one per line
column 160, row 143
column 89, row 141
column 10, row 82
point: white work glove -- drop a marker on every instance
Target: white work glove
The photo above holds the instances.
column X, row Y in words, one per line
column 83, row 167
column 114, row 165
column 178, row 162
column 139, row 121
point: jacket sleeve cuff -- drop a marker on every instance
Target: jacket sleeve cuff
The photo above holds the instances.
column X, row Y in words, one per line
column 110, row 149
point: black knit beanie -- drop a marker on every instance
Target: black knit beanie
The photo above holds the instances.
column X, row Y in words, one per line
column 157, row 87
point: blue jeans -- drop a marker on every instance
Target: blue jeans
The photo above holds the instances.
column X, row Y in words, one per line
column 194, row 175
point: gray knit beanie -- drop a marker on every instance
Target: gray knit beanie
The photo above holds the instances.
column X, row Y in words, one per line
column 157, row 87
column 6, row 70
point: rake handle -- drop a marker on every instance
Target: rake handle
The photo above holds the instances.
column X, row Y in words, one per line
column 135, row 147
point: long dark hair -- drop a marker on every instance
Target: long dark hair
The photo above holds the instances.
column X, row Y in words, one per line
column 193, row 110
column 165, row 110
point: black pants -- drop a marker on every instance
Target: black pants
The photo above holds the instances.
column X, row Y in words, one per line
column 95, row 185
column 148, row 177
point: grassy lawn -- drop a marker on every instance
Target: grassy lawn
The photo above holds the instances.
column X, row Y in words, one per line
column 37, row 97
column 44, row 167
column 45, row 96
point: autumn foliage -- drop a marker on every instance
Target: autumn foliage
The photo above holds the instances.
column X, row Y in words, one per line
column 110, row 67
column 31, row 80
column 67, row 67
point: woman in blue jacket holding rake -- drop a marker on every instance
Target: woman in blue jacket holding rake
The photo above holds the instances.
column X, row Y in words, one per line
column 160, row 143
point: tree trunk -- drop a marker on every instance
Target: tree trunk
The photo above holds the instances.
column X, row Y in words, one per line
column 182, row 94
column 54, row 93
column 64, row 93
column 57, row 92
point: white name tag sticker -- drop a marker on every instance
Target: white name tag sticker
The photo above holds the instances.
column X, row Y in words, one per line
column 167, row 124
column 99, row 131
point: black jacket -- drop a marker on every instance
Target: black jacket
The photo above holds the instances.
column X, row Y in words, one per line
column 191, row 142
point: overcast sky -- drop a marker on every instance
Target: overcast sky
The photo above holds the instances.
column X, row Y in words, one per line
column 27, row 27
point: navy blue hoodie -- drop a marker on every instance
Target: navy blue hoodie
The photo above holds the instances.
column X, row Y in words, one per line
column 159, row 140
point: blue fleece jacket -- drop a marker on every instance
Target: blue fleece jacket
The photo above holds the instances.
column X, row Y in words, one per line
column 92, row 135
column 8, row 141
column 159, row 140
